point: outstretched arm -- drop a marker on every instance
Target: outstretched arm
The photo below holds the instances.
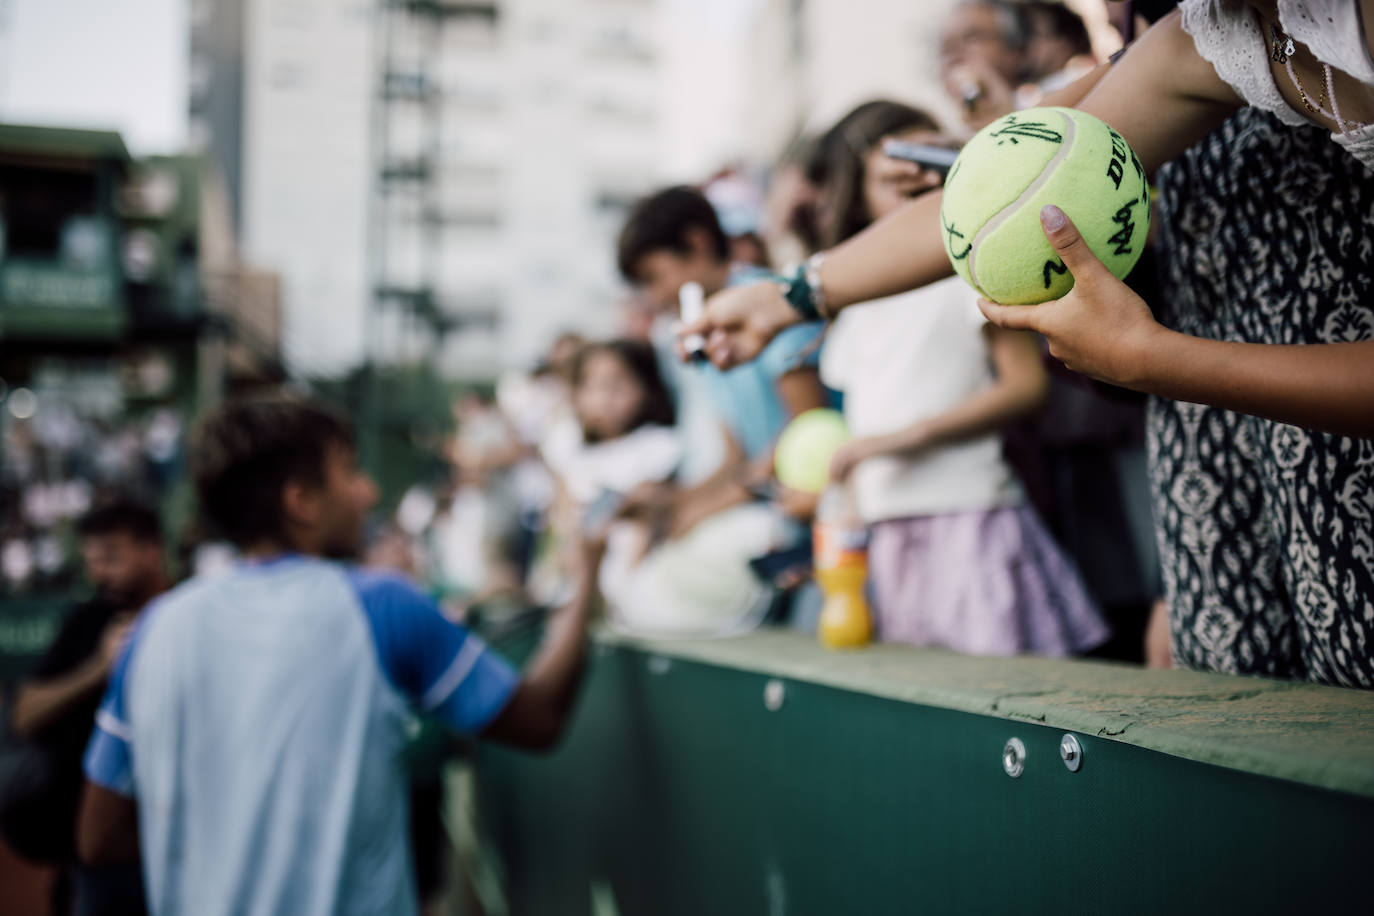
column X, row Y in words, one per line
column 1162, row 96
column 1103, row 329
column 538, row 711
column 41, row 702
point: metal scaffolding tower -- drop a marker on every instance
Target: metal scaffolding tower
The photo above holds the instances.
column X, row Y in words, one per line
column 407, row 199
column 408, row 317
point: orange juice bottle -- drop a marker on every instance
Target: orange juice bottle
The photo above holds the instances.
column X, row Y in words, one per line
column 841, row 560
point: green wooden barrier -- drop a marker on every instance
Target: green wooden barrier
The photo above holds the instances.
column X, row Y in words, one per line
column 763, row 775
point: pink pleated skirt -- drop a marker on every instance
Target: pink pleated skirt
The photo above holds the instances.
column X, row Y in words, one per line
column 986, row 582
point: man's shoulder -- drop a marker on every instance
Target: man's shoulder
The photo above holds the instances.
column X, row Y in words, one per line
column 394, row 606
column 383, row 586
column 185, row 593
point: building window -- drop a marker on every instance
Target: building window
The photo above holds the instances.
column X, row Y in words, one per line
column 621, row 43
column 618, row 109
column 473, row 25
column 291, row 14
column 472, row 218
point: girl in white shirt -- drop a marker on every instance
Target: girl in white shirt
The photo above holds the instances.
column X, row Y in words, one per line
column 623, row 431
column 957, row 558
column 620, row 438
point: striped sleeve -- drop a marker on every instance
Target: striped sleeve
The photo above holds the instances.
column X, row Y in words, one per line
column 446, row 670
column 109, row 754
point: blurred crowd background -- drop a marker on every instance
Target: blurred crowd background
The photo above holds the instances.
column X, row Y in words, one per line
column 398, row 206
column 411, row 209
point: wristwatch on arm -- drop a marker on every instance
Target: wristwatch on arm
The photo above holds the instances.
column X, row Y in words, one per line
column 803, row 289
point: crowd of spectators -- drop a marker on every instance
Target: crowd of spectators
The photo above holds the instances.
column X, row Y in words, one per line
column 1007, row 498
column 60, row 462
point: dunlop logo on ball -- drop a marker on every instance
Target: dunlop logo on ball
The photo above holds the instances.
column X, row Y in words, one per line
column 990, row 212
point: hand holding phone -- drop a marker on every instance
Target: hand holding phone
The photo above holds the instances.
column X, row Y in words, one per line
column 935, row 158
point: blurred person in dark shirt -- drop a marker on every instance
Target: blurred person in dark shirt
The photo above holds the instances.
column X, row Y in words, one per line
column 122, row 553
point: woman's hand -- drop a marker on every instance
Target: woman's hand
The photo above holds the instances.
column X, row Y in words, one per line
column 739, row 322
column 907, row 179
column 1101, row 328
column 986, row 94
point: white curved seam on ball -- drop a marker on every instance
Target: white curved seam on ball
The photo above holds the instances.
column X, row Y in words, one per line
column 1004, row 214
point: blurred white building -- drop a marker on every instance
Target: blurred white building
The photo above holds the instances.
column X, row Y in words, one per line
column 515, row 135
column 534, row 123
column 810, row 61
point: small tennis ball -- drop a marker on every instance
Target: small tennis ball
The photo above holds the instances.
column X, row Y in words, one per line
column 802, row 456
column 990, row 213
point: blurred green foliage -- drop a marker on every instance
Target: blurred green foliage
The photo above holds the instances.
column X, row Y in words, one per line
column 403, row 417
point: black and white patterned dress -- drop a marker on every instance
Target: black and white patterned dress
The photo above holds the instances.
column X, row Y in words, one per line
column 1266, row 530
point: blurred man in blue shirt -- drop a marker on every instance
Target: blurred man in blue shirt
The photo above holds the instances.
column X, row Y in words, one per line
column 250, row 739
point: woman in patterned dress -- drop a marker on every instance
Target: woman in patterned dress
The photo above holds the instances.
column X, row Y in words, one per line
column 1266, row 528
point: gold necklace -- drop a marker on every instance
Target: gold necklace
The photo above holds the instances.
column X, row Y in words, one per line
column 1302, row 94
column 1282, row 51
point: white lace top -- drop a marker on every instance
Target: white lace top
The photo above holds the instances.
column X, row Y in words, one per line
column 1227, row 34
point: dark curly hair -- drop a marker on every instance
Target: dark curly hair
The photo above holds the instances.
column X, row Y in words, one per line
column 121, row 516
column 245, row 452
column 660, row 222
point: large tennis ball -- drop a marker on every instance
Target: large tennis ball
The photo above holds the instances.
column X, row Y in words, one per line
column 1016, row 165
column 802, row 456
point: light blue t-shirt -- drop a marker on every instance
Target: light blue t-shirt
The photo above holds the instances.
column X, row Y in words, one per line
column 259, row 718
column 746, row 397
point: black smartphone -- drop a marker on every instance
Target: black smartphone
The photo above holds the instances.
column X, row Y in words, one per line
column 935, row 158
column 784, row 568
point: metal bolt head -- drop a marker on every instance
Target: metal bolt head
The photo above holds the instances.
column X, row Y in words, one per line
column 774, row 692
column 1014, row 757
column 1071, row 752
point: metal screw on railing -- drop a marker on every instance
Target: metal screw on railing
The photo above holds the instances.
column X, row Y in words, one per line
column 1071, row 752
column 773, row 695
column 1014, row 757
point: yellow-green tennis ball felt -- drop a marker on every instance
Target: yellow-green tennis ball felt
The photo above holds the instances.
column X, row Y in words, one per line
column 802, row 456
column 990, row 212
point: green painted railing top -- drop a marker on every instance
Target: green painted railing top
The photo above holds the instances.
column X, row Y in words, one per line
column 1321, row 736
